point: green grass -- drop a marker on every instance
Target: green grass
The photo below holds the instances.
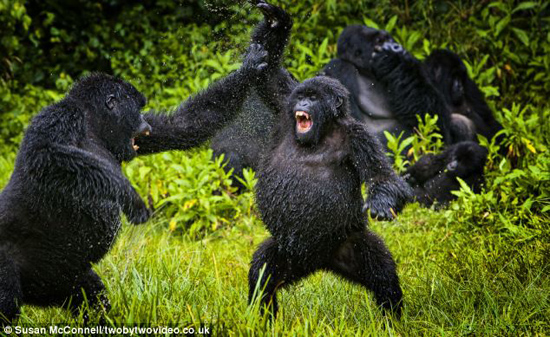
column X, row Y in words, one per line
column 455, row 282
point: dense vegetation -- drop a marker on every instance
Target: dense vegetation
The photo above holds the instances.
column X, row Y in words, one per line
column 480, row 266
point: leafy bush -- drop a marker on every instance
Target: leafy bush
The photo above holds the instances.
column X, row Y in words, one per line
column 426, row 139
column 517, row 190
column 192, row 192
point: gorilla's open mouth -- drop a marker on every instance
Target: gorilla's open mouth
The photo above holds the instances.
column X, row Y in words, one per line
column 303, row 121
column 133, row 139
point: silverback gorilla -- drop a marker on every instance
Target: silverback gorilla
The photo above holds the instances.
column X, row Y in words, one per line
column 433, row 176
column 388, row 86
column 309, row 197
column 60, row 211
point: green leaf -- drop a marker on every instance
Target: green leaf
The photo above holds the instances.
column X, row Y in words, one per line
column 525, row 6
column 501, row 25
column 391, row 24
column 370, row 23
column 522, row 35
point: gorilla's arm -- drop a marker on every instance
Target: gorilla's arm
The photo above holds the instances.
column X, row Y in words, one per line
column 198, row 118
column 275, row 83
column 387, row 192
column 405, row 77
column 427, row 167
column 273, row 33
column 78, row 175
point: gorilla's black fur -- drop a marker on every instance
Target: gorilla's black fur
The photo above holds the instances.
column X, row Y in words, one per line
column 470, row 114
column 244, row 140
column 433, row 177
column 200, row 117
column 309, row 196
column 388, row 86
column 60, row 211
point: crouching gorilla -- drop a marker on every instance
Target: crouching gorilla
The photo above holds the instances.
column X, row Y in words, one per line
column 60, row 211
column 470, row 114
column 309, row 197
column 433, row 177
column 388, row 86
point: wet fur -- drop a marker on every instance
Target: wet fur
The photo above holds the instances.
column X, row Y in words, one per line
column 243, row 141
column 60, row 211
column 309, row 197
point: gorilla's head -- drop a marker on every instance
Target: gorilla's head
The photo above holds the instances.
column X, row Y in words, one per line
column 465, row 158
column 315, row 104
column 113, row 112
column 357, row 44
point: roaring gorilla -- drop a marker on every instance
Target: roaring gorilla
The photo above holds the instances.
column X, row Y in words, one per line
column 60, row 211
column 309, row 197
column 470, row 114
column 243, row 141
column 433, row 177
column 388, row 86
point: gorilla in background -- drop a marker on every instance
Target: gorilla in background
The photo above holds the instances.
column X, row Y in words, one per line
column 388, row 86
column 309, row 197
column 433, row 177
column 60, row 211
column 470, row 114
column 244, row 140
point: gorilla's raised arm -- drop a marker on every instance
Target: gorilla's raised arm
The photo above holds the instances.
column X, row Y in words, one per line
column 276, row 83
column 198, row 118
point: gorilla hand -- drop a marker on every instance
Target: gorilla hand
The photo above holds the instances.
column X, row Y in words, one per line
column 388, row 56
column 255, row 60
column 138, row 213
column 274, row 15
column 387, row 199
column 393, row 46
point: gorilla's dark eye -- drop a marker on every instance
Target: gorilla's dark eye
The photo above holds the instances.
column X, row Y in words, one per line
column 357, row 52
column 110, row 102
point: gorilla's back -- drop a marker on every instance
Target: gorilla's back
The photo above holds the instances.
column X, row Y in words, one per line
column 248, row 134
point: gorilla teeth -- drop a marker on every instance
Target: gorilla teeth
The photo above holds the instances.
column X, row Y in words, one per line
column 302, row 114
column 303, row 120
column 134, row 146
